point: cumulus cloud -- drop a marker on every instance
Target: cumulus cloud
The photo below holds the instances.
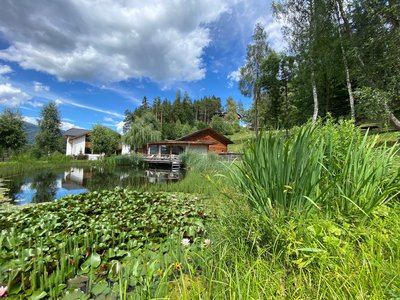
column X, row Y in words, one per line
column 12, row 96
column 39, row 87
column 110, row 40
column 67, row 125
column 120, row 126
column 233, row 77
column 5, row 69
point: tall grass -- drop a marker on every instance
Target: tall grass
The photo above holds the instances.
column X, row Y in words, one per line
column 193, row 160
column 317, row 168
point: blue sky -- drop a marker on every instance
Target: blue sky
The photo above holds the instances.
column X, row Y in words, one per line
column 97, row 58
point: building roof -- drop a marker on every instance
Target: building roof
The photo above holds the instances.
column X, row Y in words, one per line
column 219, row 137
column 177, row 142
column 75, row 132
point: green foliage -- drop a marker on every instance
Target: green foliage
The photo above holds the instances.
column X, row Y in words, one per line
column 104, row 139
column 133, row 160
column 49, row 139
column 193, row 160
column 12, row 134
column 91, row 235
column 325, row 168
column 142, row 131
column 219, row 125
column 373, row 103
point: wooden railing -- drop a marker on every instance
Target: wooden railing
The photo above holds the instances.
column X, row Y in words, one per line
column 162, row 157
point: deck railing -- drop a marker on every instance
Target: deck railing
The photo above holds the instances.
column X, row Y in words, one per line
column 162, row 157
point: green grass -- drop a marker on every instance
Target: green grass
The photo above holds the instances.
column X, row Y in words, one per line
column 306, row 254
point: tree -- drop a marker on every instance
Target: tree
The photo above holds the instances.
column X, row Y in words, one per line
column 104, row 140
column 250, row 73
column 49, row 137
column 231, row 116
column 142, row 131
column 12, row 133
column 303, row 19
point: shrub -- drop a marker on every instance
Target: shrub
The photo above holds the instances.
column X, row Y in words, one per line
column 197, row 161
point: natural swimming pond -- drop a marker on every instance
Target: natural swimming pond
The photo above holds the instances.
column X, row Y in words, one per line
column 49, row 184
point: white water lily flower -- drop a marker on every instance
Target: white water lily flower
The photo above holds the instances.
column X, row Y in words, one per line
column 3, row 291
column 185, row 242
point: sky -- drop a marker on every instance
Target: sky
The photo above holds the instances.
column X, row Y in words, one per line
column 95, row 59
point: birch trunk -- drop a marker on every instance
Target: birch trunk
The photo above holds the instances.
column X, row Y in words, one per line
column 346, row 67
column 315, row 96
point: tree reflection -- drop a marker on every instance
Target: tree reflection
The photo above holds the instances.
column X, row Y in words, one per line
column 45, row 184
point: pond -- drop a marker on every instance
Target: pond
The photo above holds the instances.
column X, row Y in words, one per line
column 49, row 184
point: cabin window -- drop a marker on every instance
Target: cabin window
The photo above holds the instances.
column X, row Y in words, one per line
column 177, row 150
column 164, row 149
column 153, row 149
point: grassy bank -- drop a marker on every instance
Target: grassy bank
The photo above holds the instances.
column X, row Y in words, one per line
column 315, row 216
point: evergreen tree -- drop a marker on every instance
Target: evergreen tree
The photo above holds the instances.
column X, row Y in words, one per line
column 49, row 138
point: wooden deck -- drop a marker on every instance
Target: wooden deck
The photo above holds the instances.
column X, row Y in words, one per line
column 162, row 159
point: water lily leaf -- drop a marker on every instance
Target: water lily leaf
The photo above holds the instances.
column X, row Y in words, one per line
column 101, row 288
column 92, row 261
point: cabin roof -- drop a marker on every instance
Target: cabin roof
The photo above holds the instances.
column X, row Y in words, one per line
column 177, row 142
column 219, row 137
column 76, row 132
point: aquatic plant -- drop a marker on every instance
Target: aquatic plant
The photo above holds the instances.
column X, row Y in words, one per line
column 44, row 245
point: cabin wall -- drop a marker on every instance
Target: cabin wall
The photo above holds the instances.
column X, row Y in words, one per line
column 204, row 136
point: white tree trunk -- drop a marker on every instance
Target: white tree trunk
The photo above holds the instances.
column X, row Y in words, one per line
column 395, row 121
column 346, row 67
column 315, row 96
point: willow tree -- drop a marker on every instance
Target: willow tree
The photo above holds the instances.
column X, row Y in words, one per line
column 142, row 131
column 250, row 73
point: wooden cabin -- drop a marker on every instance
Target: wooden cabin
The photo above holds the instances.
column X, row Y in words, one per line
column 204, row 141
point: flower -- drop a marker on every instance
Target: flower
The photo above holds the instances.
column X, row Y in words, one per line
column 207, row 242
column 3, row 291
column 185, row 242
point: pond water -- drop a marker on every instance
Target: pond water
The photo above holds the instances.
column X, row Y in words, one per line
column 49, row 184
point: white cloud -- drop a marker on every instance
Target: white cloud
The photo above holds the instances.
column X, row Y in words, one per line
column 39, row 87
column 35, row 103
column 111, row 40
column 68, row 125
column 12, row 96
column 107, row 119
column 233, row 77
column 5, row 69
column 89, row 107
column 31, row 120
column 120, row 126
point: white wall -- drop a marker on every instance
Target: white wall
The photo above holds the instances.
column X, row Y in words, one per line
column 125, row 149
column 76, row 146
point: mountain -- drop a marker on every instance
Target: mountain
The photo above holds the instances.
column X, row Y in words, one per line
column 31, row 131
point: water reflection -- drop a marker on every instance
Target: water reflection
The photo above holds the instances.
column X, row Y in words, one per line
column 47, row 185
